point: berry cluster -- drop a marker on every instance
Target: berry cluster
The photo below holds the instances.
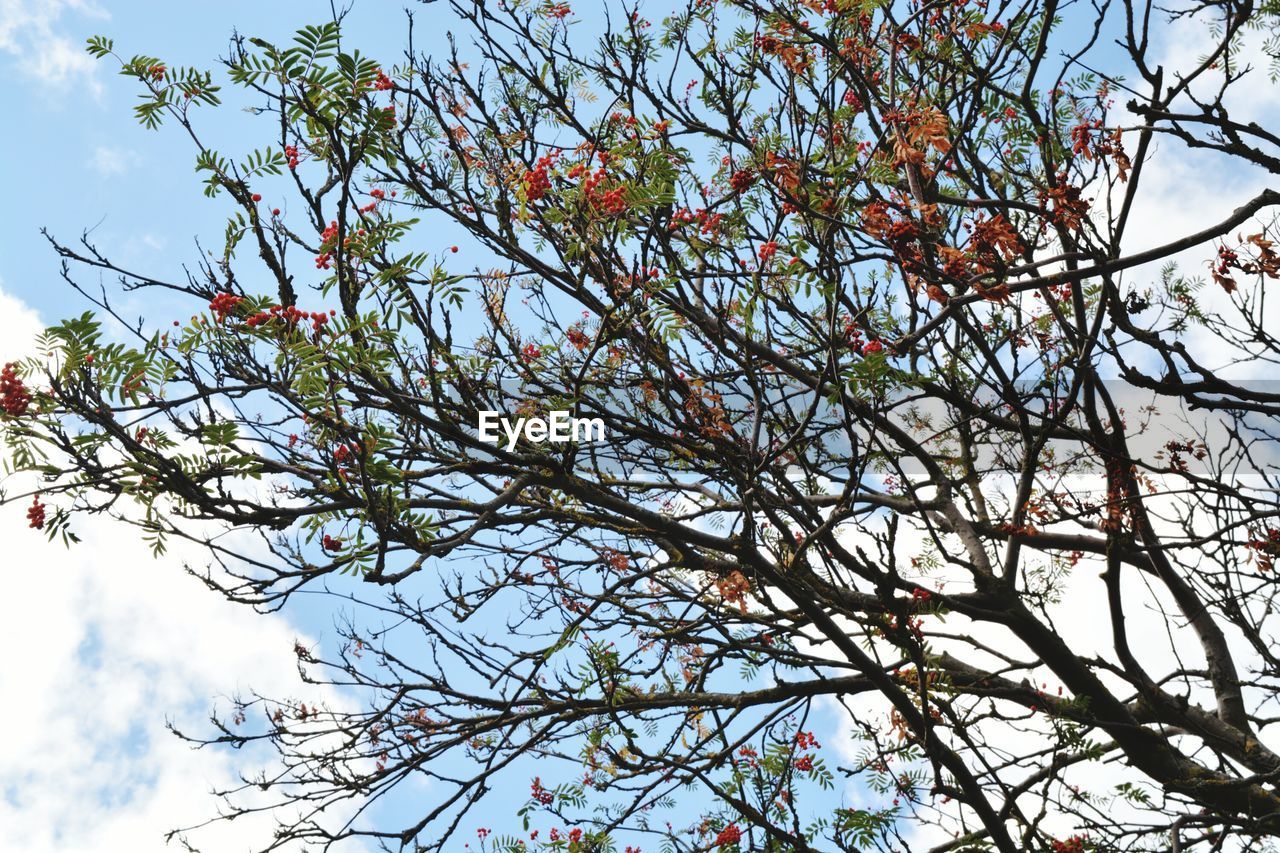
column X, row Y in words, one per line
column 629, row 121
column 537, row 181
column 328, row 237
column 574, row 836
column 539, row 793
column 14, row 396
column 708, row 223
column 330, row 543
column 806, row 740
column 609, row 202
column 291, row 151
column 290, row 316
column 343, row 455
column 383, row 82
column 767, row 251
column 729, row 835
column 224, row 304
column 852, row 334
column 741, row 180
column 378, row 196
column 35, row 514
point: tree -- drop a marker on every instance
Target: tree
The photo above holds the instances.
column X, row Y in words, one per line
column 890, row 404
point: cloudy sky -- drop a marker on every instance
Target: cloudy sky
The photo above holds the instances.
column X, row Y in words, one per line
column 102, row 643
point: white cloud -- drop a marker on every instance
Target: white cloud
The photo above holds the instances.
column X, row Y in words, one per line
column 30, row 35
column 102, row 645
column 1186, row 190
column 19, row 326
column 107, row 161
column 1186, row 42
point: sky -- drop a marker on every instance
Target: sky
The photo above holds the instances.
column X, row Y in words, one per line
column 113, row 644
column 103, row 644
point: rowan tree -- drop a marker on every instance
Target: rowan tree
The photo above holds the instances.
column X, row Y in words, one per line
column 900, row 426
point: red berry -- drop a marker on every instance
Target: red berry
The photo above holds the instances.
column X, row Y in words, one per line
column 35, row 514
column 453, row 249
column 257, row 197
column 275, row 211
column 14, row 396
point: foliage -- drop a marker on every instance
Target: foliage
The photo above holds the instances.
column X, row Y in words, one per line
column 845, row 282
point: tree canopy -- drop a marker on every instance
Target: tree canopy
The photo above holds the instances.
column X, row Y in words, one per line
column 903, row 427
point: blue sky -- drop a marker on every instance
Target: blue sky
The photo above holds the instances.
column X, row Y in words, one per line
column 86, row 163
column 77, row 160
column 120, row 642
column 133, row 635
